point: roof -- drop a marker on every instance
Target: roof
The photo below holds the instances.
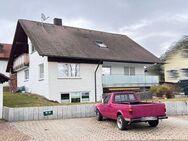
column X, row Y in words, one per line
column 179, row 46
column 5, row 52
column 76, row 43
column 64, row 41
column 3, row 78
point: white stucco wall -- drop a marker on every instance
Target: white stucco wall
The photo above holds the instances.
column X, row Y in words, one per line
column 21, row 80
column 3, row 66
column 34, row 84
column 85, row 83
column 1, row 100
column 118, row 68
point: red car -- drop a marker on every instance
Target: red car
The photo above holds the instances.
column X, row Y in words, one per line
column 126, row 108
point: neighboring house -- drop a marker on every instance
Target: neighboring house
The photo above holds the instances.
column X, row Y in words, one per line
column 69, row 64
column 176, row 66
column 4, row 55
column 3, row 79
column 176, row 62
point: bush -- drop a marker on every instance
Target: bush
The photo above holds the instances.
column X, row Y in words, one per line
column 162, row 91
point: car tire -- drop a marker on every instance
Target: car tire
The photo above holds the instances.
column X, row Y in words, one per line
column 153, row 123
column 121, row 123
column 99, row 116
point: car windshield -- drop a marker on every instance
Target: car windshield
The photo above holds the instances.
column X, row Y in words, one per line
column 124, row 98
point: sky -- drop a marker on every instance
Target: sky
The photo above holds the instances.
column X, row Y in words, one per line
column 154, row 24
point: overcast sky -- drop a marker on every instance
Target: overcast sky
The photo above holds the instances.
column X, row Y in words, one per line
column 154, row 24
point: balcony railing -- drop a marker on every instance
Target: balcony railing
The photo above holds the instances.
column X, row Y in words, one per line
column 21, row 62
column 129, row 81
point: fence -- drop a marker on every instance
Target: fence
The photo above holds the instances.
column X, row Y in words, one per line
column 74, row 111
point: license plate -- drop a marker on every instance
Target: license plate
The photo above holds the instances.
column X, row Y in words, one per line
column 148, row 118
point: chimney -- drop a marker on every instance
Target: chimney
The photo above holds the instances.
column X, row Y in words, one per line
column 1, row 48
column 58, row 21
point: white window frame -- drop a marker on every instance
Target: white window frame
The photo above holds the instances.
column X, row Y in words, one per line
column 68, row 73
column 26, row 74
column 41, row 74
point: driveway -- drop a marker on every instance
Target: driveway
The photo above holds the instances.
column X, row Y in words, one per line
column 88, row 129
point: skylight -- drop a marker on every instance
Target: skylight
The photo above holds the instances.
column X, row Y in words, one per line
column 101, row 44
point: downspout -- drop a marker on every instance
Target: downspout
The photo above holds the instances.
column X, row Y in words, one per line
column 95, row 75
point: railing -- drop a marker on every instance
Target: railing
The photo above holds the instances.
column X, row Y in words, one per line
column 129, row 81
column 21, row 62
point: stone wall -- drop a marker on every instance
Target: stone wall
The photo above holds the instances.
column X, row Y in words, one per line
column 75, row 111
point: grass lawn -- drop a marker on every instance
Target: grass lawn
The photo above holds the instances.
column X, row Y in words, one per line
column 30, row 100
column 25, row 100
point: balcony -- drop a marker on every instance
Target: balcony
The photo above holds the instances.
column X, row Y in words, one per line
column 21, row 62
column 129, row 81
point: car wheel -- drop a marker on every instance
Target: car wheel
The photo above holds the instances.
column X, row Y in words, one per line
column 99, row 116
column 153, row 123
column 121, row 123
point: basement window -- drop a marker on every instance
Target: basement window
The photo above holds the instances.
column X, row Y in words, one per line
column 101, row 44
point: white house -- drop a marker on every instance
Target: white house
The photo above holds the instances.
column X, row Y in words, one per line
column 3, row 79
column 4, row 55
column 69, row 64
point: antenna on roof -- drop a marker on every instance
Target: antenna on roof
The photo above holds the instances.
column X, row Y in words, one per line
column 44, row 18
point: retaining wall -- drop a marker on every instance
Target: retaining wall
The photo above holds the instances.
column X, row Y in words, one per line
column 75, row 111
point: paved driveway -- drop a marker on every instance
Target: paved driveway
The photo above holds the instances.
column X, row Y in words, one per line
column 88, row 129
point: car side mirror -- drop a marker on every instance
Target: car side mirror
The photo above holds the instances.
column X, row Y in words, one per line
column 102, row 100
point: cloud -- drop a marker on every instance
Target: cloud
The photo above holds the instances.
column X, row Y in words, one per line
column 153, row 24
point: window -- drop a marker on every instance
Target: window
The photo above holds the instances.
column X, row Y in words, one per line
column 124, row 98
column 101, row 44
column 68, row 70
column 75, row 97
column 173, row 73
column 32, row 48
column 185, row 72
column 65, row 98
column 85, row 96
column 132, row 71
column 106, row 70
column 26, row 72
column 129, row 70
column 41, row 71
column 106, row 99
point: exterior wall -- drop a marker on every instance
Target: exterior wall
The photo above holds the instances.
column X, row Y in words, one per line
column 75, row 111
column 85, row 83
column 118, row 68
column 34, row 84
column 175, row 62
column 22, row 82
column 38, row 86
column 1, row 100
column 3, row 66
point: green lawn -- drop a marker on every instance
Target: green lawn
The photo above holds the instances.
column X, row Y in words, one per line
column 25, row 100
column 30, row 100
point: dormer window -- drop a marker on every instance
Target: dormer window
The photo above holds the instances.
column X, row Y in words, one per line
column 101, row 44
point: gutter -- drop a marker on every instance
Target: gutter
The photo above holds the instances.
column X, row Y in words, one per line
column 95, row 77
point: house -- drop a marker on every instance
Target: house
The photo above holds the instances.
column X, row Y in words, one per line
column 3, row 79
column 176, row 66
column 4, row 55
column 69, row 64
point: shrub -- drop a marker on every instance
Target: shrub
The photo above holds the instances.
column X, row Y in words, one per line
column 162, row 91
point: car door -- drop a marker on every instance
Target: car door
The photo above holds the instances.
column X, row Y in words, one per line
column 105, row 109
